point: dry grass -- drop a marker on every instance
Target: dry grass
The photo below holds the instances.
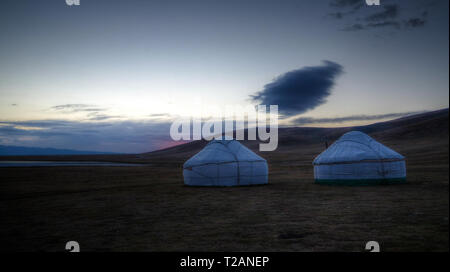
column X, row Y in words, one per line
column 149, row 209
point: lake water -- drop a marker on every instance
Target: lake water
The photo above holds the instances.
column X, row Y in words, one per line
column 63, row 163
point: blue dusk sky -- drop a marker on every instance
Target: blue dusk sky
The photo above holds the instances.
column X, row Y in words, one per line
column 111, row 75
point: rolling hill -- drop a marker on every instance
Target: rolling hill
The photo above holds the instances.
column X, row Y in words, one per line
column 421, row 135
column 426, row 128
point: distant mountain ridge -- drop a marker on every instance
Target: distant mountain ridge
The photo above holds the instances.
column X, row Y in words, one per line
column 6, row 150
column 431, row 125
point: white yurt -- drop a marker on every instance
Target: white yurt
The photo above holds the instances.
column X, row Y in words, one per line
column 357, row 159
column 225, row 163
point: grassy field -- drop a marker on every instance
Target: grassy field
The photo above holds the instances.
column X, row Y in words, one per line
column 147, row 208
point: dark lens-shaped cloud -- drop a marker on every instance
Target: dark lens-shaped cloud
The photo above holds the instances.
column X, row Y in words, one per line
column 415, row 22
column 355, row 15
column 300, row 90
column 72, row 108
column 389, row 12
column 310, row 121
column 106, row 136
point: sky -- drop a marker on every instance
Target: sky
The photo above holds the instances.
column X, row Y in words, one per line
column 111, row 75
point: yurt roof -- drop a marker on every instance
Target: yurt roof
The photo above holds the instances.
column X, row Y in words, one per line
column 356, row 146
column 222, row 151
